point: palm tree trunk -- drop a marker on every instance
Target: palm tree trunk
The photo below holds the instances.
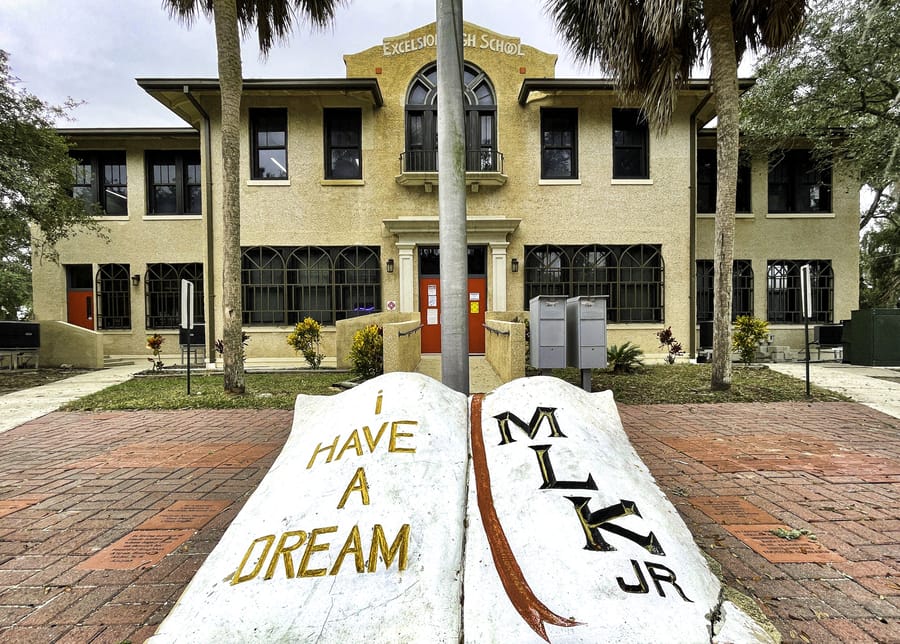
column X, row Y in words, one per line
column 719, row 25
column 231, row 84
column 452, row 197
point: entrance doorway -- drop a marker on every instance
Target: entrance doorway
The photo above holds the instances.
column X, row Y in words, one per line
column 80, row 295
column 430, row 297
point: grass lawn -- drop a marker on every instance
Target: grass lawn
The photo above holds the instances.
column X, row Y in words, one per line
column 264, row 391
column 27, row 378
column 678, row 384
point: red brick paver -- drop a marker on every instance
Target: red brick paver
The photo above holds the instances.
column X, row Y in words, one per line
column 830, row 468
column 77, row 483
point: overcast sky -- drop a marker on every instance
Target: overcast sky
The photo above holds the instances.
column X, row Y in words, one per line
column 92, row 50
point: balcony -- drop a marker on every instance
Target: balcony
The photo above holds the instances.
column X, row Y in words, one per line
column 483, row 168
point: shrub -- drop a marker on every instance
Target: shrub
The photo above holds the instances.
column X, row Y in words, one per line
column 367, row 351
column 305, row 338
column 624, row 359
column 667, row 340
column 748, row 333
column 154, row 343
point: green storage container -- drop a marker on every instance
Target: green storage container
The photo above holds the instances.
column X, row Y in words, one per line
column 875, row 337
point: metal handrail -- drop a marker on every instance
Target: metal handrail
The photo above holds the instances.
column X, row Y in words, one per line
column 496, row 331
column 411, row 331
column 476, row 161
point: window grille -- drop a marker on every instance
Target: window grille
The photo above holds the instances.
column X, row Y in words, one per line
column 630, row 276
column 284, row 285
column 741, row 289
column 113, row 297
column 162, row 294
column 784, row 291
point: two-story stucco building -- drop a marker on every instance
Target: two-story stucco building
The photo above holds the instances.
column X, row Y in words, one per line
column 569, row 192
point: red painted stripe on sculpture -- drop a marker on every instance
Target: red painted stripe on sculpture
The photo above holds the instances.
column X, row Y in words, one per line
column 532, row 610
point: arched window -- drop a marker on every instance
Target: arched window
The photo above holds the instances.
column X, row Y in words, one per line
column 640, row 285
column 113, row 297
column 421, row 121
column 284, row 285
column 783, row 292
column 546, row 272
column 594, row 273
column 162, row 294
column 262, row 280
column 357, row 281
column 309, row 280
column 741, row 289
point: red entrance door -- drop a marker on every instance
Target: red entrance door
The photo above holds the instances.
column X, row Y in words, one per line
column 430, row 307
column 80, row 295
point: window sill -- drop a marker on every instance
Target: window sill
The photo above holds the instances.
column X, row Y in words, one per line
column 342, row 182
column 559, row 182
column 800, row 215
column 115, row 331
column 631, row 182
column 268, row 182
column 190, row 217
column 111, row 217
column 737, row 215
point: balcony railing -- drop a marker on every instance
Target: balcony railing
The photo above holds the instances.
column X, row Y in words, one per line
column 476, row 161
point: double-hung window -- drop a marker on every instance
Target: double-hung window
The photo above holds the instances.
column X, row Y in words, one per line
column 707, row 181
column 268, row 140
column 174, row 182
column 343, row 143
column 797, row 183
column 102, row 177
column 559, row 143
column 631, row 144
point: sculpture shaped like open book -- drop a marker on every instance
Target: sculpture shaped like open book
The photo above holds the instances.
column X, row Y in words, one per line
column 401, row 511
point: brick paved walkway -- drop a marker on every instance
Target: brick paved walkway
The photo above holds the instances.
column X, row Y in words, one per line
column 105, row 517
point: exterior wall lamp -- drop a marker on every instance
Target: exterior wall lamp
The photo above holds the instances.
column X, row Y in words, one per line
column 515, row 265
column 390, row 266
column 135, row 279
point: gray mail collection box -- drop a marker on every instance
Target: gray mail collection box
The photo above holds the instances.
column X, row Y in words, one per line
column 586, row 331
column 547, row 318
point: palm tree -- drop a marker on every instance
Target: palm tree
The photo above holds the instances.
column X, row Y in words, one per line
column 272, row 21
column 452, row 197
column 650, row 49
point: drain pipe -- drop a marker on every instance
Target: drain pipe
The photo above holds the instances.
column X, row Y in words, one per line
column 208, row 215
column 692, row 285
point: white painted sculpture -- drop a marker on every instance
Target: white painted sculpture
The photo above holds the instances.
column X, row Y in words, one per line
column 358, row 532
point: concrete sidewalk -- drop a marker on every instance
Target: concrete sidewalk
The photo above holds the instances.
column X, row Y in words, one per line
column 21, row 406
column 867, row 385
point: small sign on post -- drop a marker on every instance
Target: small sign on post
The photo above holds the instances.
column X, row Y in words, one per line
column 187, row 322
column 806, row 305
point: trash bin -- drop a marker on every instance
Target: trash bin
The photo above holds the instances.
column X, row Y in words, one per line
column 875, row 337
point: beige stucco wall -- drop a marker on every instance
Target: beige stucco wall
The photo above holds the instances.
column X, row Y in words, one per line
column 63, row 343
column 760, row 237
column 307, row 210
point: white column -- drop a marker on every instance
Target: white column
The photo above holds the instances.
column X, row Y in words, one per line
column 407, row 284
column 498, row 276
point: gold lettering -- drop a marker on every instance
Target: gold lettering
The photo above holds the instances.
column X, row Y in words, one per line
column 392, row 447
column 373, row 443
column 357, row 484
column 352, row 441
column 400, row 547
column 311, row 547
column 378, row 401
column 280, row 549
column 354, row 545
column 330, row 449
column 237, row 578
